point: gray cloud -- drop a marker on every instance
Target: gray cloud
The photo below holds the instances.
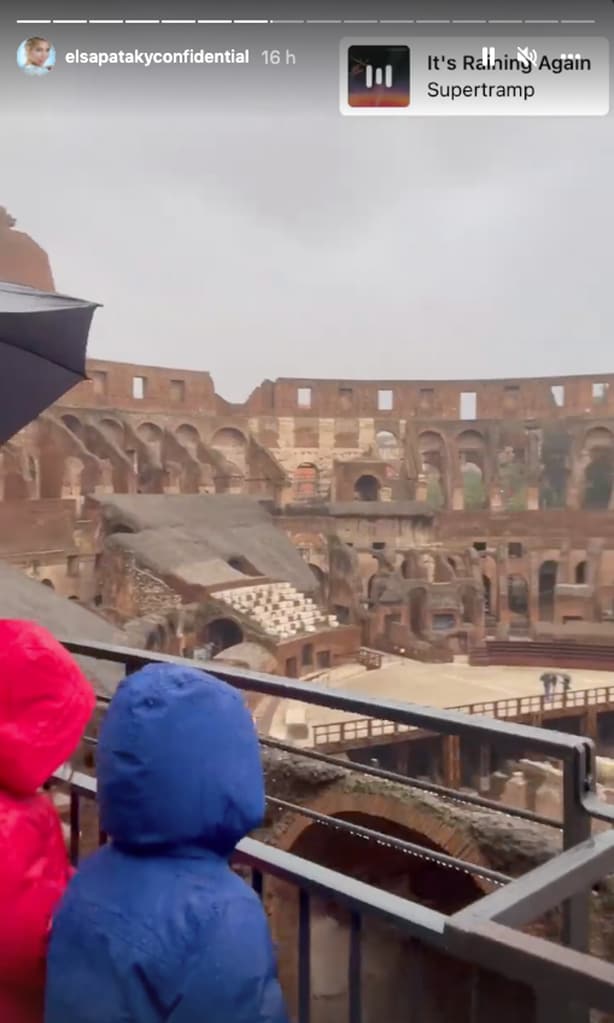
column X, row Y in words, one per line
column 327, row 246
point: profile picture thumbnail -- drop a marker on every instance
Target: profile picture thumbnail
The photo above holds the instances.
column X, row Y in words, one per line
column 36, row 56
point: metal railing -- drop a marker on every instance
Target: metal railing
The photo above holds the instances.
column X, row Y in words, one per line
column 512, row 707
column 566, row 982
column 516, row 706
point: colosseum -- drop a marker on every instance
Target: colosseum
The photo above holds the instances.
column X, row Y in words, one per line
column 429, row 513
column 400, row 538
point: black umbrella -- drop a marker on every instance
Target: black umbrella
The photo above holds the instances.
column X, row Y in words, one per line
column 43, row 341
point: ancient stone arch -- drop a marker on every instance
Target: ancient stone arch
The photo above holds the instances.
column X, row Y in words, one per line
column 472, row 453
column 581, row 572
column 188, row 435
column 518, row 594
column 367, row 487
column 434, row 463
column 387, row 445
column 149, row 432
column 597, row 461
column 598, row 436
column 114, row 430
column 232, row 444
column 74, row 424
column 417, row 816
column 385, row 954
column 229, row 437
column 223, row 632
column 548, row 573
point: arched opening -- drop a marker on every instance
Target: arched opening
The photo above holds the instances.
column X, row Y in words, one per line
column 417, row 611
column 581, row 573
column 366, row 488
column 409, row 568
column 422, row 880
column 305, row 482
column 432, row 451
column 48, row 583
column 157, row 640
column 307, row 655
column 471, row 447
column 469, row 607
column 599, row 472
column 74, row 425
column 222, row 633
column 555, row 448
column 598, row 478
column 518, row 595
column 487, row 594
column 373, row 588
column 387, row 446
column 242, row 565
column 188, row 436
column 512, row 476
column 547, row 584
column 233, row 446
column 387, row 957
column 149, row 433
column 113, row 430
column 474, row 491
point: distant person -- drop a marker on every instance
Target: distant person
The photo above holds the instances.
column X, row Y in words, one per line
column 36, row 56
column 45, row 704
column 156, row 926
column 548, row 681
column 566, row 682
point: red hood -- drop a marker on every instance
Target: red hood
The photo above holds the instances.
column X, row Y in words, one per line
column 45, row 704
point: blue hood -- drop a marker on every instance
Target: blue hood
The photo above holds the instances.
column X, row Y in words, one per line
column 179, row 762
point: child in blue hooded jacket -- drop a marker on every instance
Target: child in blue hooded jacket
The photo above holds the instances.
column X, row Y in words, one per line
column 155, row 926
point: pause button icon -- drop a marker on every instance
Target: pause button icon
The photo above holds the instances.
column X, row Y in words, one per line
column 378, row 76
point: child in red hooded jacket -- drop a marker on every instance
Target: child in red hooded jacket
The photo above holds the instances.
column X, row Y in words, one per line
column 45, row 704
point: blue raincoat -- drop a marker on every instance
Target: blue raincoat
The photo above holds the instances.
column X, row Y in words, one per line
column 156, row 926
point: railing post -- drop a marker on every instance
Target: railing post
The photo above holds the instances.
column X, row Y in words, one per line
column 304, row 957
column 576, row 828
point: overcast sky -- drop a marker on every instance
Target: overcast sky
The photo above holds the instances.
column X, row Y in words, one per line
column 328, row 247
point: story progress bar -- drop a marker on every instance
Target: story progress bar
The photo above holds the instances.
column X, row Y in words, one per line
column 306, row 21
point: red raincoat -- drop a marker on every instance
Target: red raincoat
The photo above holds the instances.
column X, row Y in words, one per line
column 45, row 704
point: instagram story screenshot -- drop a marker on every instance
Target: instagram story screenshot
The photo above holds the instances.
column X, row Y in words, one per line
column 306, row 511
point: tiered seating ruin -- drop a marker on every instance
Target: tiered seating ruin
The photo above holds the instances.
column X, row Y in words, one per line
column 278, row 608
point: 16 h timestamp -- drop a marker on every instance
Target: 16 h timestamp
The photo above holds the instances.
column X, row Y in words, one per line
column 278, row 57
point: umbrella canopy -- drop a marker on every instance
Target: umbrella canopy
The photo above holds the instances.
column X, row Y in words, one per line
column 43, row 342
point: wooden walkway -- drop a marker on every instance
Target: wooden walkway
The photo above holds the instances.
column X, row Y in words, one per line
column 362, row 732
